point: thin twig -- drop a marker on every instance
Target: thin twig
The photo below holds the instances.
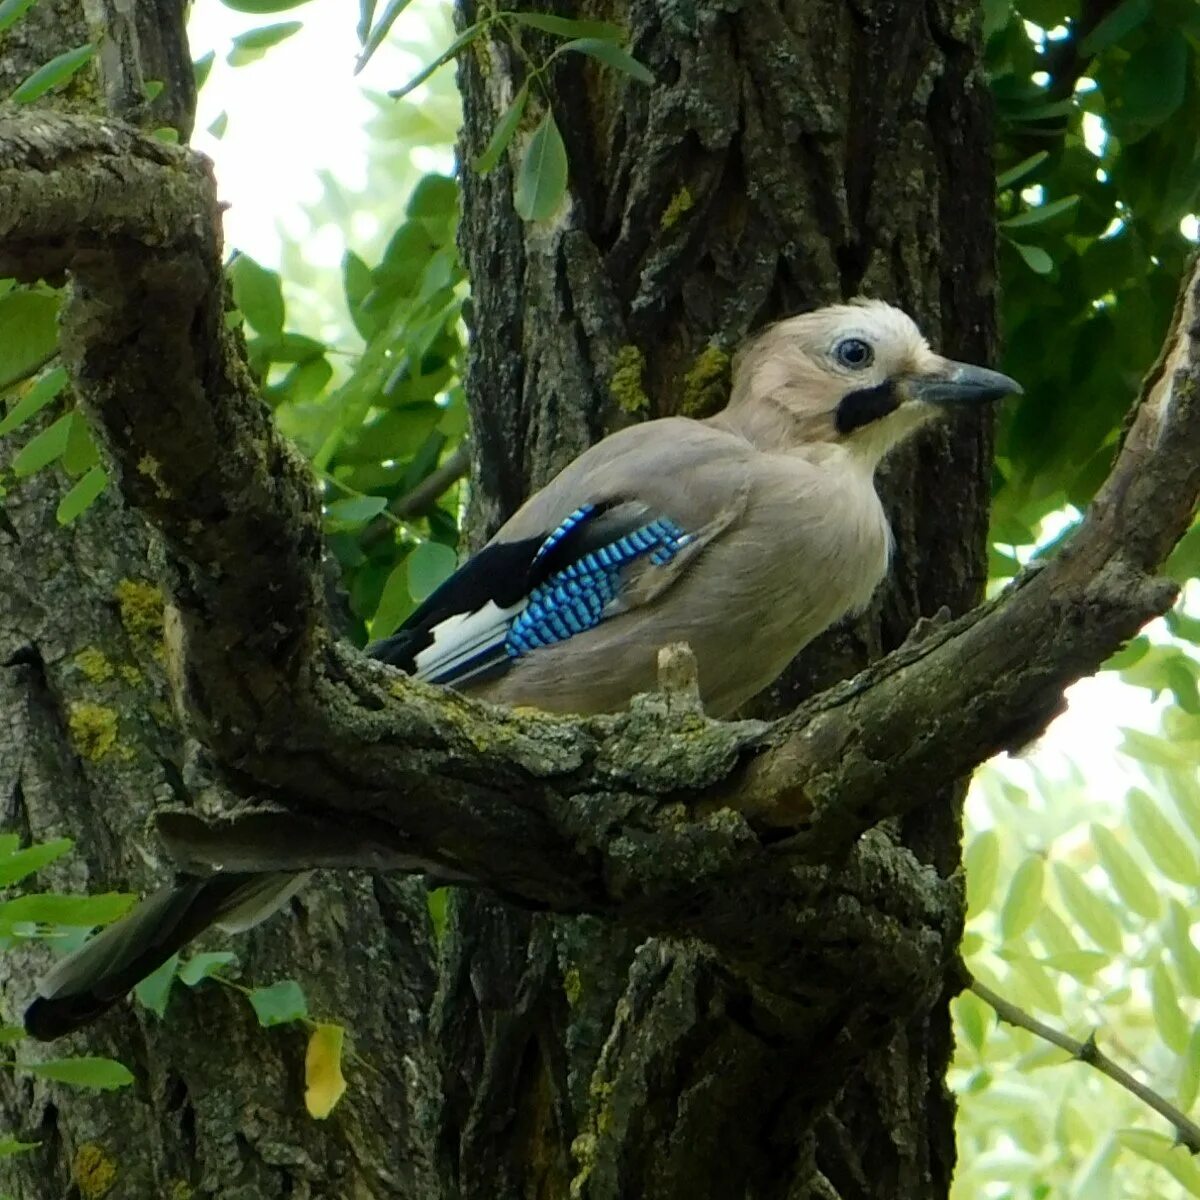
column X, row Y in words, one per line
column 417, row 502
column 1088, row 1052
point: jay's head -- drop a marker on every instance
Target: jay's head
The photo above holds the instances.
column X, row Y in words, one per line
column 859, row 375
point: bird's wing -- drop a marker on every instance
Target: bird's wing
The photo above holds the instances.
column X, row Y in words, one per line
column 610, row 532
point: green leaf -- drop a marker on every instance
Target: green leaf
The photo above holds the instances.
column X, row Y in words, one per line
column 503, row 133
column 611, row 55
column 11, row 11
column 1031, row 985
column 296, row 348
column 1181, row 674
column 1128, row 655
column 82, row 496
column 1162, row 841
column 981, row 863
column 34, row 400
column 1189, row 1076
column 1054, row 933
column 429, row 566
column 1036, row 259
column 303, row 383
column 52, row 908
column 1149, row 748
column 384, row 26
column 1042, row 1055
column 28, row 334
column 261, row 7
column 1043, row 112
column 1169, row 1020
column 1024, row 898
column 251, row 46
column 57, row 70
column 463, row 40
column 1185, row 794
column 10, row 1034
column 104, row 1074
column 565, row 27
column 395, row 603
column 1177, row 938
column 1183, row 563
column 1088, row 909
column 155, row 990
column 15, row 867
column 1041, row 214
column 1128, row 879
column 10, row 1146
column 1081, row 964
column 352, row 512
column 258, row 293
column 434, row 196
column 203, row 966
column 81, row 453
column 1121, row 21
column 1153, row 1146
column 974, row 1019
column 201, row 68
column 1022, row 170
column 43, row 449
column 280, row 1003
column 1153, row 83
column 542, row 176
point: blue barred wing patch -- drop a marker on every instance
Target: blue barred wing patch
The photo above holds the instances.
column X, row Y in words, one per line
column 514, row 597
column 578, row 596
column 569, row 523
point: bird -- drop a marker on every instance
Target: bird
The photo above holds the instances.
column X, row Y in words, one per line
column 744, row 535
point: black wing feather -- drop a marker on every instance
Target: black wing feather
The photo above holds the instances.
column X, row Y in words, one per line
column 503, row 573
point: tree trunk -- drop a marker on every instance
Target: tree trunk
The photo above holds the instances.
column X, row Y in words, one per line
column 788, row 155
column 88, row 745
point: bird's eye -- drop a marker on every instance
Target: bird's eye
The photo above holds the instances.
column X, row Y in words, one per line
column 854, row 353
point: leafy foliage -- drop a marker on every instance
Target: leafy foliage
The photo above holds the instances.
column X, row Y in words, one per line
column 1080, row 912
column 56, row 919
column 1100, row 173
column 1107, row 949
column 542, row 172
column 1077, row 912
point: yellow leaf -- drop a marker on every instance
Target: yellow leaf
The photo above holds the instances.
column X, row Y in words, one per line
column 324, row 1082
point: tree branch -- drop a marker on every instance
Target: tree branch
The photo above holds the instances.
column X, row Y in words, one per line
column 1088, row 1052
column 990, row 681
column 419, row 500
column 657, row 814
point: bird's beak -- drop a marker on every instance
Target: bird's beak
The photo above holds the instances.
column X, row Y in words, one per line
column 951, row 383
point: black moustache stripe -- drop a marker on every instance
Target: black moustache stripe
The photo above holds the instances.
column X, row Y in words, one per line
column 866, row 405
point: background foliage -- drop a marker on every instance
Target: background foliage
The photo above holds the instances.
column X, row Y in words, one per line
column 1082, row 890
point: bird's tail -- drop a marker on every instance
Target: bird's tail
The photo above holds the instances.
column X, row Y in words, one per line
column 92, row 979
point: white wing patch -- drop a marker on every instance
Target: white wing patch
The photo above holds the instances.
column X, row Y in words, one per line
column 463, row 636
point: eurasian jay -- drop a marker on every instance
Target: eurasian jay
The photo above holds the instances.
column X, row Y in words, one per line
column 745, row 535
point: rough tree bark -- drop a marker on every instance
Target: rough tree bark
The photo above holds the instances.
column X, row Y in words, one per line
column 745, row 992
column 788, row 155
column 88, row 744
